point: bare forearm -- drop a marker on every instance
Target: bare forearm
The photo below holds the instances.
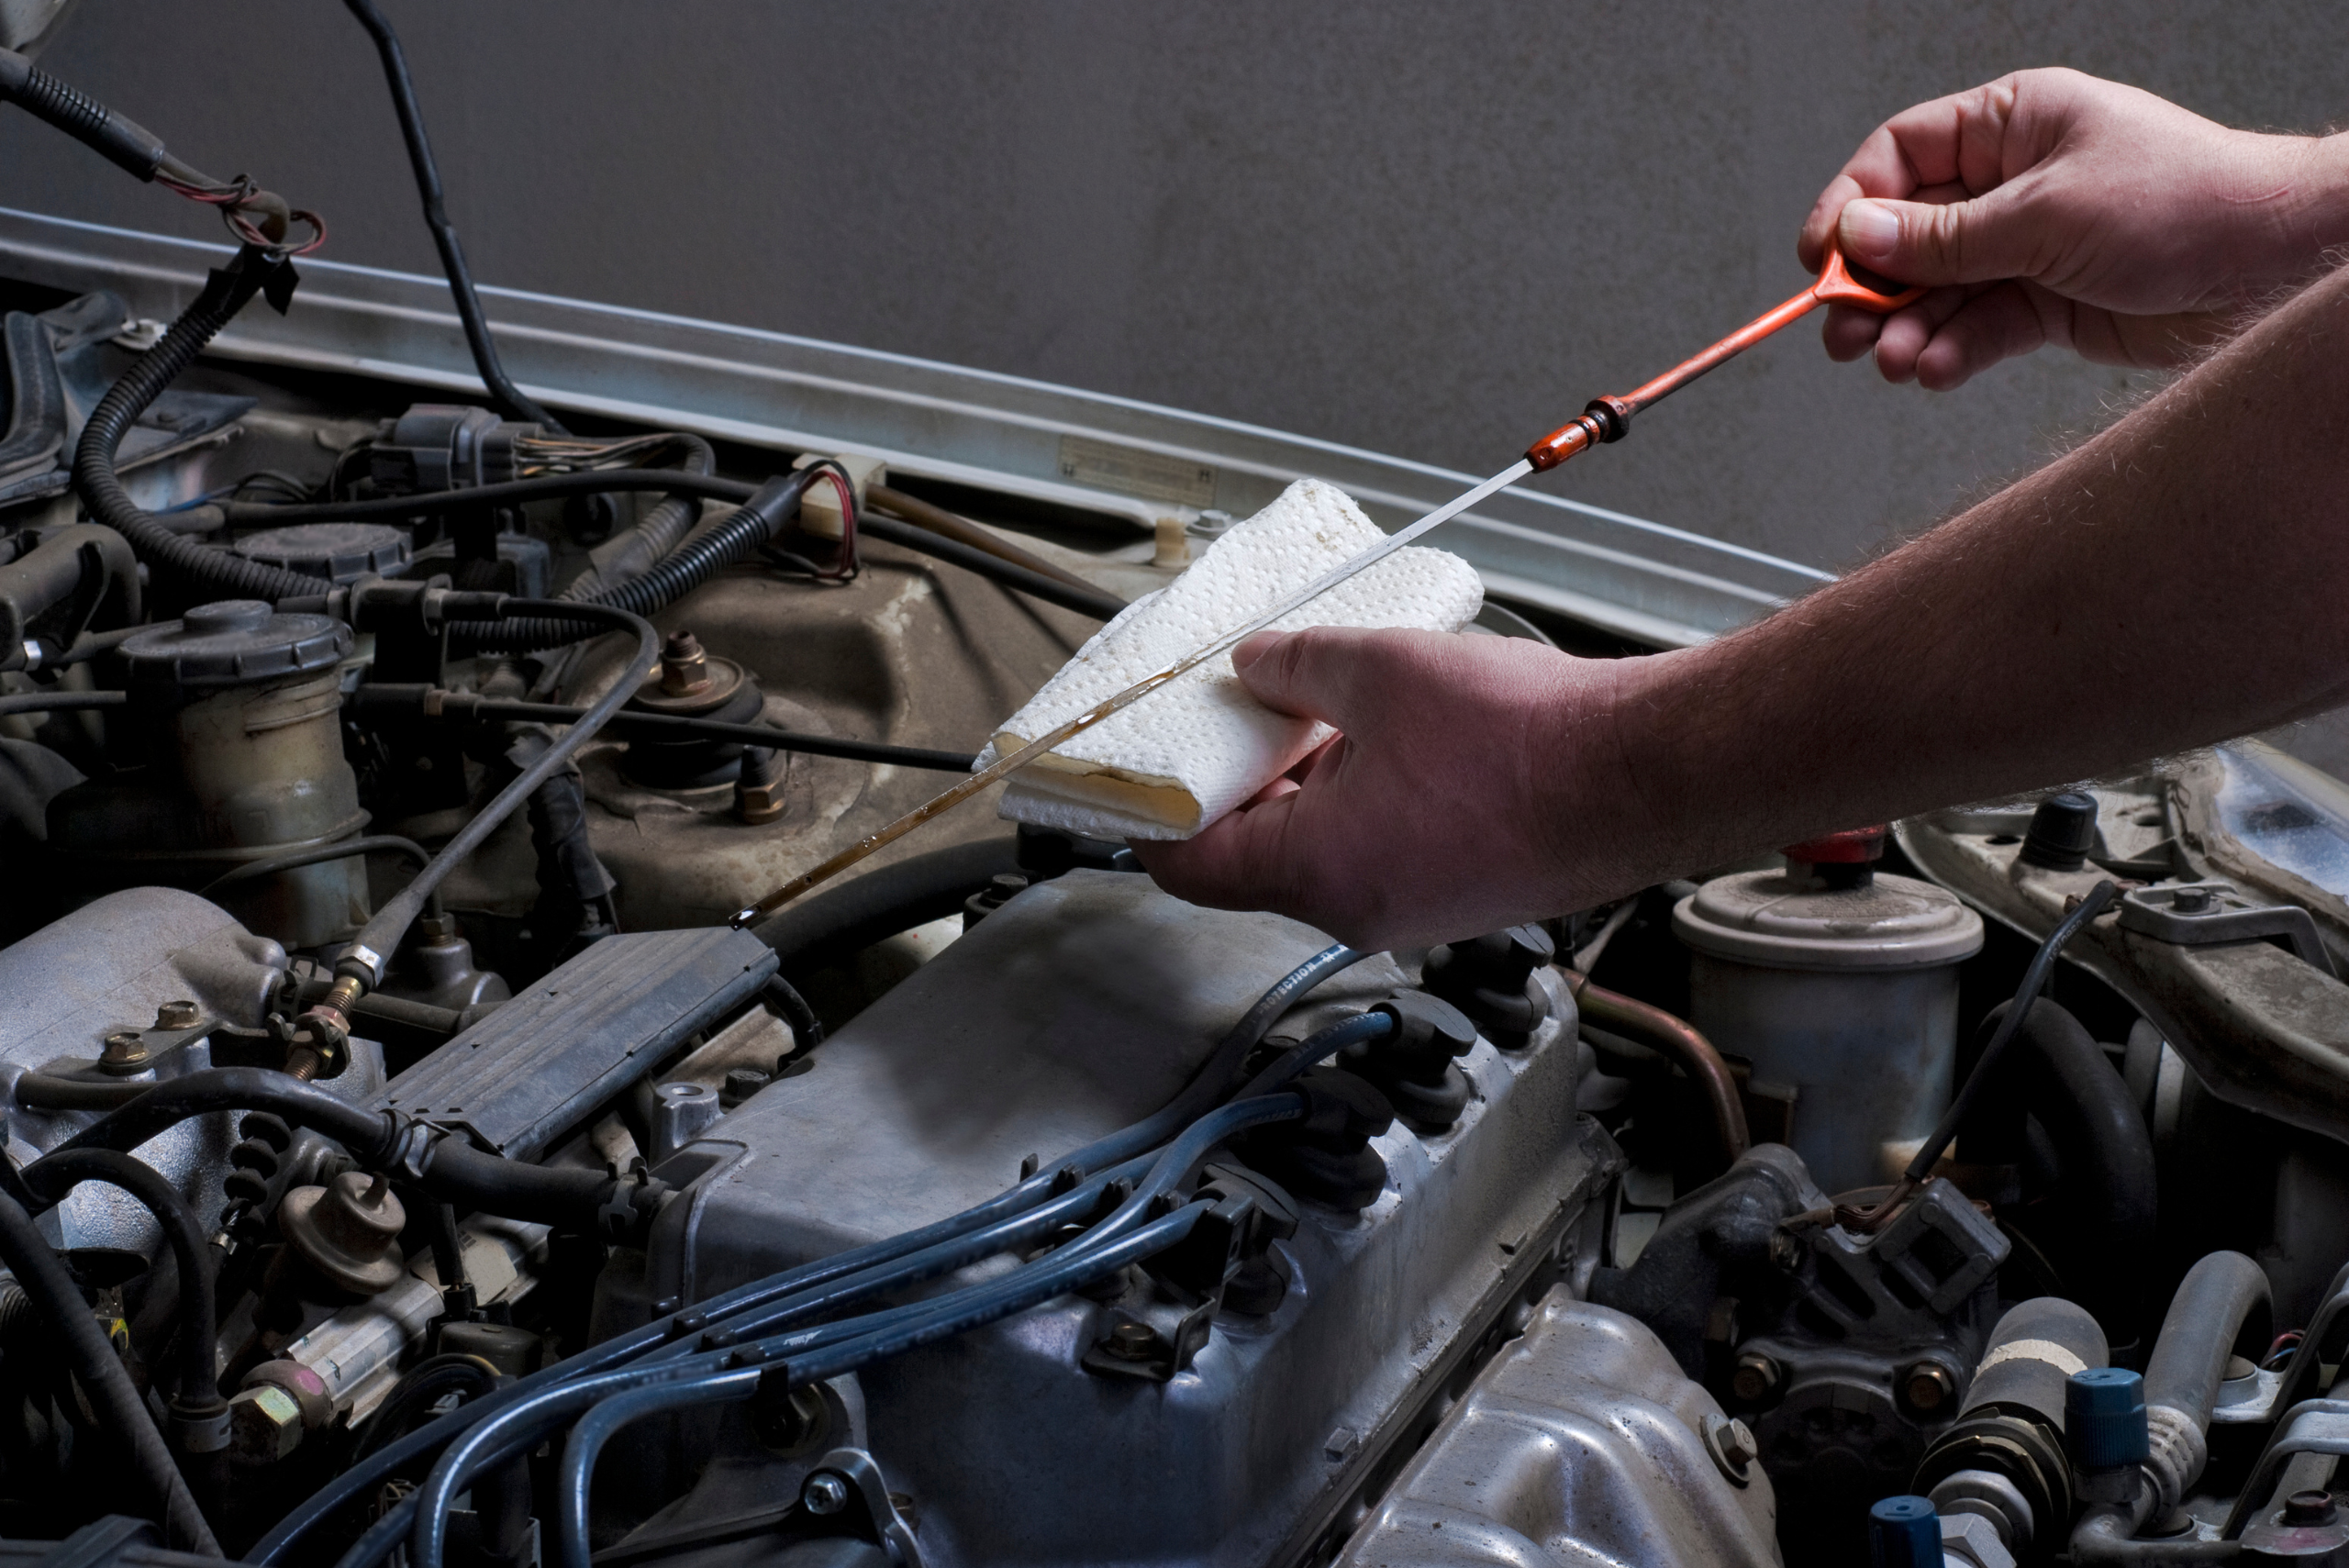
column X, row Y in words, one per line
column 2182, row 578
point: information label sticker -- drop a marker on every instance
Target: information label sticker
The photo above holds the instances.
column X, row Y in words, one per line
column 1130, row 471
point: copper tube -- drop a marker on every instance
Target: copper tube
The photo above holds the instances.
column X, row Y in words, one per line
column 946, row 525
column 1677, row 1042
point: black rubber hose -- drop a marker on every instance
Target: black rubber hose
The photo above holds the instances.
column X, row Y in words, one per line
column 756, row 522
column 60, row 701
column 368, row 1135
column 512, row 398
column 93, row 1362
column 806, row 1029
column 342, row 849
column 2213, row 1308
column 199, row 1378
column 568, row 1197
column 2110, row 1193
column 882, row 903
column 380, row 937
column 55, row 1092
column 216, row 572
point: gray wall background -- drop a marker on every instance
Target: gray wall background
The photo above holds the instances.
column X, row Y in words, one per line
column 1428, row 229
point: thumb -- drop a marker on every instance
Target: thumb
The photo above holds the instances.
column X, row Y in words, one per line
column 1982, row 240
column 1300, row 672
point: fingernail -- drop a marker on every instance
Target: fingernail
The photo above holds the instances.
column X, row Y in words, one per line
column 1256, row 646
column 1870, row 231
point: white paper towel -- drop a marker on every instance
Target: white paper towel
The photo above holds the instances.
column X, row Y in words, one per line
column 1172, row 763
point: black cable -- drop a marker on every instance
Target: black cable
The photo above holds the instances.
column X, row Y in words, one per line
column 516, row 402
column 95, row 1367
column 199, row 1379
column 551, row 486
column 317, row 854
column 420, row 1388
column 464, row 705
column 806, row 1029
column 217, row 572
column 372, row 947
column 2034, row 978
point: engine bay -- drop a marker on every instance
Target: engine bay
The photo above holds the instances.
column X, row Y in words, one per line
column 414, row 1154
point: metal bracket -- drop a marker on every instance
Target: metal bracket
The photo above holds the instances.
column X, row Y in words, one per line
column 2199, row 914
column 856, row 1467
column 2319, row 1426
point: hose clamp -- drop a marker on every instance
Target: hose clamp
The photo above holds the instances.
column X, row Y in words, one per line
column 2178, row 1453
column 410, row 1150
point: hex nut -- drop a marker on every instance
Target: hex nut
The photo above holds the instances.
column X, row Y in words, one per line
column 1970, row 1539
column 265, row 1424
column 824, row 1494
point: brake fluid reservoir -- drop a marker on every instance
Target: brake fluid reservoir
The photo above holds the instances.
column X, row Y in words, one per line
column 1841, row 984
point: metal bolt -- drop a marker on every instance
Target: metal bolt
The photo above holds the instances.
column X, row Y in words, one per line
column 2190, row 900
column 2311, row 1507
column 1786, row 1252
column 1927, row 1386
column 265, row 1424
column 177, row 1016
column 1132, row 1341
column 685, row 667
column 741, row 1083
column 824, row 1494
column 125, row 1053
column 1755, row 1378
column 1732, row 1444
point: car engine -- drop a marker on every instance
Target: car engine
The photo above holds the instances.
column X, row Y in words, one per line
column 417, row 1149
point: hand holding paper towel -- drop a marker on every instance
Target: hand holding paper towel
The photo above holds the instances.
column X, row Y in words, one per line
column 1175, row 762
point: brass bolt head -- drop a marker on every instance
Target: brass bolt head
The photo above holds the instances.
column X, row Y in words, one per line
column 757, row 803
column 265, row 1424
column 1928, row 1386
column 177, row 1016
column 125, row 1052
column 1755, row 1377
column 685, row 667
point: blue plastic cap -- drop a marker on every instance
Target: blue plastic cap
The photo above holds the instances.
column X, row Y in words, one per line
column 1904, row 1533
column 2104, row 1419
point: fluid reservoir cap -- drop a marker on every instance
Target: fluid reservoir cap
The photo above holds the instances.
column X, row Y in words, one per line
column 1769, row 919
column 235, row 642
column 339, row 552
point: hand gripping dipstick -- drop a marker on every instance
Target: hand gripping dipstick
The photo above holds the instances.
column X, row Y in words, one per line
column 1605, row 419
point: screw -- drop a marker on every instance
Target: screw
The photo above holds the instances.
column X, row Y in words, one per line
column 177, row 1016
column 2190, row 900
column 1927, row 1386
column 125, row 1053
column 1785, row 1252
column 265, row 1424
column 2311, row 1507
column 824, row 1494
column 684, row 668
column 741, row 1083
column 1132, row 1341
column 1757, row 1377
column 1731, row 1442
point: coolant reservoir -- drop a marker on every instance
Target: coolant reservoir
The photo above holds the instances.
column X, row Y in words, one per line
column 1841, row 984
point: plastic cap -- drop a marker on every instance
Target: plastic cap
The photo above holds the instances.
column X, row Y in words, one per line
column 1904, row 1533
column 2063, row 832
column 2104, row 1419
column 1853, row 846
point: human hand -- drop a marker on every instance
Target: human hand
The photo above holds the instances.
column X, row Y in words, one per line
column 2049, row 207
column 1439, row 811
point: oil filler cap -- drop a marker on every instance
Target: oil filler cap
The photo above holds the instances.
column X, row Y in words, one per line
column 336, row 553
column 235, row 642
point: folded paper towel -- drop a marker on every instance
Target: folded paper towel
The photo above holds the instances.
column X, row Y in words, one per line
column 1183, row 756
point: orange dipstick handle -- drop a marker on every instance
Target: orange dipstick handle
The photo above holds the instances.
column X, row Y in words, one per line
column 1609, row 419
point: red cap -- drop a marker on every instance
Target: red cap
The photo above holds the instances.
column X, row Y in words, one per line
column 1853, row 846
